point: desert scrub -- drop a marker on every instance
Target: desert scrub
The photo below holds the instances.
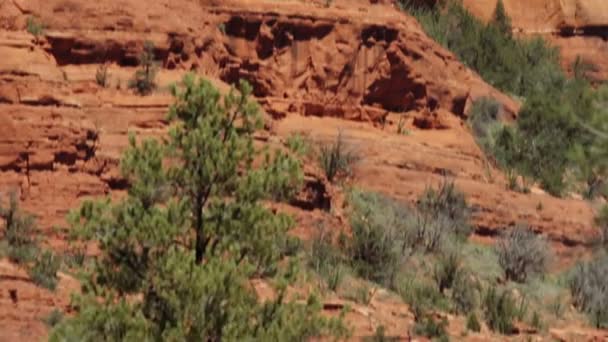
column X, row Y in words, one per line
column 500, row 310
column 448, row 205
column 589, row 290
column 102, row 76
column 327, row 259
column 44, row 271
column 144, row 80
column 337, row 158
column 34, row 26
column 522, row 253
column 298, row 144
column 19, row 227
column 601, row 221
column 381, row 235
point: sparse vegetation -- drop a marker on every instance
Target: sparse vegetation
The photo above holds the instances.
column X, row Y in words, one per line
column 19, row 227
column 522, row 253
column 551, row 137
column 602, row 222
column 473, row 323
column 432, row 327
column 381, row 236
column 53, row 318
column 448, row 205
column 422, row 298
column 34, row 27
column 447, row 270
column 298, row 144
column 102, row 76
column 337, row 159
column 589, row 291
column 144, row 80
column 464, row 293
column 379, row 336
column 44, row 271
column 500, row 310
column 18, row 231
column 326, row 259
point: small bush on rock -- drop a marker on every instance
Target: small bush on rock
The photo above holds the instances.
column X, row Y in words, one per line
column 144, row 79
column 34, row 27
column 102, row 75
column 18, row 231
column 337, row 159
column 522, row 253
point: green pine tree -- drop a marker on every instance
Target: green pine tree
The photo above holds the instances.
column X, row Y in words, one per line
column 177, row 253
column 501, row 18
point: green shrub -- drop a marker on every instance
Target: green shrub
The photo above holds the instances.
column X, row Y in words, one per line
column 19, row 228
column 536, row 321
column 446, row 270
column 464, row 293
column 362, row 294
column 484, row 116
column 473, row 323
column 589, row 291
column 326, row 259
column 522, row 253
column 500, row 310
column 337, row 159
column 422, row 298
column 144, row 79
column 298, row 144
column 431, row 327
column 34, row 27
column 44, row 271
column 449, row 204
column 53, row 318
column 381, row 242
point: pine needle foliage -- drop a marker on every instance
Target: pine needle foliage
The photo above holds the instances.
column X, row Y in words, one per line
column 177, row 253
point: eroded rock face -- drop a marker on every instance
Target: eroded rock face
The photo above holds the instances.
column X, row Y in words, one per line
column 356, row 62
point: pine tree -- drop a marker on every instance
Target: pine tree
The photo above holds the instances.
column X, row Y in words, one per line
column 501, row 19
column 177, row 253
